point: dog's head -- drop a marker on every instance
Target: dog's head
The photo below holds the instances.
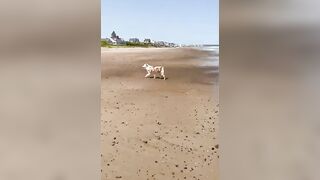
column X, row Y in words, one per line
column 145, row 65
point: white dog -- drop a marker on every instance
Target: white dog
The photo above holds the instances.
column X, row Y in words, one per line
column 154, row 70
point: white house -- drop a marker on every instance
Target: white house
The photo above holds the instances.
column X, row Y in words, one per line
column 147, row 41
column 134, row 40
column 115, row 39
column 111, row 41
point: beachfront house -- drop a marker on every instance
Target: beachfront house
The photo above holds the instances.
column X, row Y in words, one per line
column 111, row 41
column 172, row 45
column 147, row 41
column 161, row 43
column 120, row 41
column 134, row 40
column 115, row 39
column 154, row 43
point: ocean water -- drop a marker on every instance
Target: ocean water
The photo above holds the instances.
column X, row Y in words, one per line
column 213, row 59
column 210, row 48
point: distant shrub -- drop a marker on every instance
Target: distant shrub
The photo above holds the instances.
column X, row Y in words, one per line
column 139, row 44
column 104, row 43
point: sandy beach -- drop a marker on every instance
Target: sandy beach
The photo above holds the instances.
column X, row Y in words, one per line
column 155, row 128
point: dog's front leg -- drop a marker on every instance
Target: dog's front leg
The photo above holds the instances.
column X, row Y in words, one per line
column 147, row 75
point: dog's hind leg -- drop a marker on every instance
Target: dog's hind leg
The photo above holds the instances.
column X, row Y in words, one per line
column 162, row 73
column 164, row 76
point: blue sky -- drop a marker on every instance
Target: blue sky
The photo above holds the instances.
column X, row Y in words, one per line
column 178, row 21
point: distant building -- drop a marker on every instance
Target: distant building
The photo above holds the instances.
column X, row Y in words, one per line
column 147, row 41
column 134, row 40
column 155, row 43
column 161, row 43
column 172, row 45
column 114, row 35
column 111, row 41
column 115, row 39
column 121, row 41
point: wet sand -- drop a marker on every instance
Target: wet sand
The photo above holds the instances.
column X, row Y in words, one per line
column 155, row 128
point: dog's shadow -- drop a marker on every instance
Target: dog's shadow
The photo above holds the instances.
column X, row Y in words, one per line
column 157, row 78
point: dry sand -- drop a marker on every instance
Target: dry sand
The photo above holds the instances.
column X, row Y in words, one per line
column 156, row 129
